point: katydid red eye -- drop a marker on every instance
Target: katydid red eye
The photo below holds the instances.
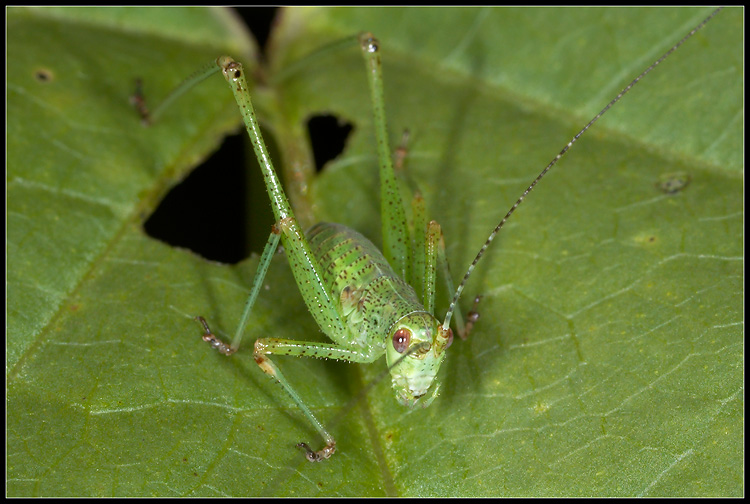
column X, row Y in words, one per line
column 401, row 340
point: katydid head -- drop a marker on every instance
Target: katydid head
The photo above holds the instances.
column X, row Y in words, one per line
column 414, row 351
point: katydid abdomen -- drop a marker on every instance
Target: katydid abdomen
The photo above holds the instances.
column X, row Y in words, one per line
column 371, row 297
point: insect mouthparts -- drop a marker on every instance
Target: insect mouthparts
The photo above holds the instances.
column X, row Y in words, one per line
column 423, row 348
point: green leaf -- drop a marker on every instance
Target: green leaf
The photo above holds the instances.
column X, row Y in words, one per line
column 608, row 358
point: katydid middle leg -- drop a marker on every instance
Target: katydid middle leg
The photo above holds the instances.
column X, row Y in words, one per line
column 428, row 248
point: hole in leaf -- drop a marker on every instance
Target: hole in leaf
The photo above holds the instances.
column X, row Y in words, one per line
column 43, row 75
column 328, row 135
column 672, row 183
column 207, row 212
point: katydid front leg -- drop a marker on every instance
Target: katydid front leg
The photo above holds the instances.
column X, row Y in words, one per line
column 428, row 252
column 275, row 346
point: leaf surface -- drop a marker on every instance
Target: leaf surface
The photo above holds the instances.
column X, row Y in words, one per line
column 608, row 358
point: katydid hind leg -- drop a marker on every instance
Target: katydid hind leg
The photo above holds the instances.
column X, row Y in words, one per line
column 305, row 269
column 287, row 230
column 304, row 265
column 396, row 242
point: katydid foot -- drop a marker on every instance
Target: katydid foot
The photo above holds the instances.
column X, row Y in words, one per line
column 471, row 319
column 212, row 340
column 316, row 456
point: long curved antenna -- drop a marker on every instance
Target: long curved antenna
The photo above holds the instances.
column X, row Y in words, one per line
column 459, row 290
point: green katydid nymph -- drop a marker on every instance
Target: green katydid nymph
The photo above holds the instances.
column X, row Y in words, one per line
column 367, row 302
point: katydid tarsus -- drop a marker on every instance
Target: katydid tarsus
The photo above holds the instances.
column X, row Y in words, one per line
column 367, row 302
